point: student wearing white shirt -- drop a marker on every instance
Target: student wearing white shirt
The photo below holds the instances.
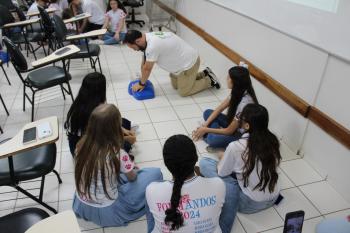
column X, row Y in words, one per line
column 220, row 129
column 34, row 7
column 174, row 55
column 188, row 203
column 97, row 16
column 110, row 189
column 59, row 5
column 248, row 166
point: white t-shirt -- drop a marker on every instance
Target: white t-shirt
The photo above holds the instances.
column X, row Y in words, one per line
column 91, row 7
column 201, row 204
column 100, row 199
column 232, row 161
column 116, row 19
column 170, row 52
column 246, row 99
column 33, row 9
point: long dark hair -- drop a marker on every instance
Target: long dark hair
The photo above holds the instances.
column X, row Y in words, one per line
column 180, row 157
column 263, row 146
column 95, row 159
column 120, row 6
column 91, row 94
column 241, row 83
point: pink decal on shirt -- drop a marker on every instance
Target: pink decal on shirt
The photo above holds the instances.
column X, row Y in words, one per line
column 128, row 166
column 125, row 158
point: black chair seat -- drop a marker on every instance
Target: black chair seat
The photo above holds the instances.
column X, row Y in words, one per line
column 35, row 36
column 29, row 165
column 132, row 3
column 20, row 221
column 47, row 77
column 93, row 48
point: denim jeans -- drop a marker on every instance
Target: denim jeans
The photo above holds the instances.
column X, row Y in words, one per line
column 218, row 140
column 109, row 39
column 235, row 199
column 339, row 225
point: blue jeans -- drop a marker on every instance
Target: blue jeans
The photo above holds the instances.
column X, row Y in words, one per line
column 109, row 39
column 235, row 199
column 218, row 140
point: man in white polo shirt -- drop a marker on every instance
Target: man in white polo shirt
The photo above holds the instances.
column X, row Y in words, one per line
column 97, row 16
column 174, row 55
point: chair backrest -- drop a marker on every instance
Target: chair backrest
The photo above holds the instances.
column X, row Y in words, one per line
column 46, row 21
column 20, row 14
column 133, row 3
column 16, row 56
column 5, row 16
column 60, row 29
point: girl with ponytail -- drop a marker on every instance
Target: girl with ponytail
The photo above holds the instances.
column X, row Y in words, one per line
column 248, row 166
column 220, row 129
column 188, row 202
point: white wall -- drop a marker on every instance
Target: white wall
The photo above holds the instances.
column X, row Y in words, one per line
column 314, row 75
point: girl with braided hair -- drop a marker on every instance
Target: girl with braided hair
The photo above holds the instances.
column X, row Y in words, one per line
column 188, row 203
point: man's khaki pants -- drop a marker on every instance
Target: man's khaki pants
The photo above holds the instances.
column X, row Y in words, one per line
column 190, row 82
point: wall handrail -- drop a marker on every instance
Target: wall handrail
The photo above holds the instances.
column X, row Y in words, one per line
column 322, row 120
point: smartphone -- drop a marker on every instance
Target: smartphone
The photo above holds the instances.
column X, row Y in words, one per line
column 29, row 135
column 294, row 222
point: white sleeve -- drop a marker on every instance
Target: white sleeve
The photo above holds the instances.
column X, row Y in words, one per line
column 126, row 165
column 226, row 164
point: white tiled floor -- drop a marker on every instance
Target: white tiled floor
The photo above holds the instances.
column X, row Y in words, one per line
column 167, row 114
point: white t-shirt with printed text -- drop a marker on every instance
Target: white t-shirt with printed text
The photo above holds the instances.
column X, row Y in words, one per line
column 100, row 199
column 91, row 7
column 170, row 52
column 200, row 205
column 232, row 162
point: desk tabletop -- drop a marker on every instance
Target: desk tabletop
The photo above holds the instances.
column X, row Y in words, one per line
column 77, row 18
column 93, row 33
column 60, row 223
column 36, row 13
column 15, row 145
column 21, row 23
column 54, row 57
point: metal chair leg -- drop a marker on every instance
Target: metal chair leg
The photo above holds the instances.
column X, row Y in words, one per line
column 33, row 101
column 3, row 103
column 58, row 176
column 2, row 67
column 64, row 96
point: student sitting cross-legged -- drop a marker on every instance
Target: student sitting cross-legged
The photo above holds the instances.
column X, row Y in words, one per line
column 220, row 129
column 248, row 167
column 91, row 94
column 110, row 191
column 188, row 203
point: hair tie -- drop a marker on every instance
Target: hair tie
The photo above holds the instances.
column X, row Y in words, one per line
column 243, row 64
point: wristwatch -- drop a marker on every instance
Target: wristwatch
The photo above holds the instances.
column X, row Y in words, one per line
column 142, row 84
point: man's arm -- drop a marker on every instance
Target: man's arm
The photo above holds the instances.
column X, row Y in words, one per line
column 146, row 70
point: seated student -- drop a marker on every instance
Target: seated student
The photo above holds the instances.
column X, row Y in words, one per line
column 188, row 203
column 115, row 23
column 109, row 190
column 248, row 166
column 67, row 14
column 59, row 5
column 97, row 16
column 91, row 94
column 34, row 7
column 219, row 129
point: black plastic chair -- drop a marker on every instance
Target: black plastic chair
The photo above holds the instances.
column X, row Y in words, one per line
column 22, row 36
column 86, row 51
column 29, row 165
column 134, row 4
column 37, row 78
column 48, row 27
column 8, row 4
column 21, row 221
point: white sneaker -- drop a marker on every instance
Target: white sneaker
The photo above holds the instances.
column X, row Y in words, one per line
column 135, row 127
column 214, row 80
column 100, row 42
